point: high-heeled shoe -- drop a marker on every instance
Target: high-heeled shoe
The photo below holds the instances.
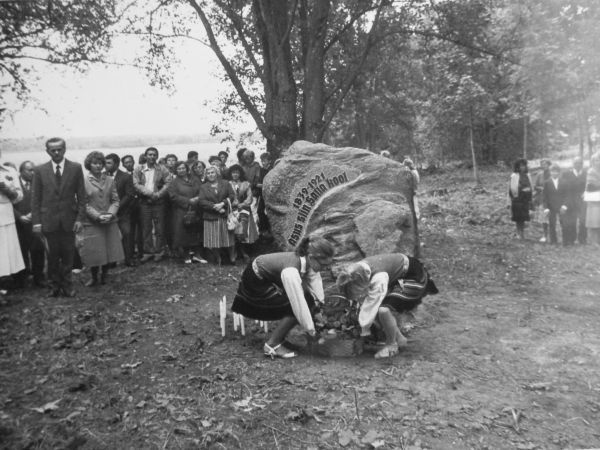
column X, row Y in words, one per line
column 279, row 351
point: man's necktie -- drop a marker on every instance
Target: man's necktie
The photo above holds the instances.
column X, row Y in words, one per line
column 58, row 175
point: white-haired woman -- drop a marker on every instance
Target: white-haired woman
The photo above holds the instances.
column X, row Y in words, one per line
column 214, row 199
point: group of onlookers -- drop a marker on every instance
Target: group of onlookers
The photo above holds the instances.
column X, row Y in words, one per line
column 59, row 213
column 567, row 197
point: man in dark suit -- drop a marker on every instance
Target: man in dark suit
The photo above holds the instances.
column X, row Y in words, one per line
column 559, row 202
column 579, row 179
column 57, row 210
column 31, row 245
column 124, row 184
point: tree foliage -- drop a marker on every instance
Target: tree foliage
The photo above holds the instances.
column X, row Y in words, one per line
column 72, row 32
column 478, row 79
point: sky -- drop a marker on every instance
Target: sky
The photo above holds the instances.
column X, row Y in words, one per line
column 116, row 100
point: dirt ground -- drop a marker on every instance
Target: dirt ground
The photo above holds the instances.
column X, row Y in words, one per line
column 507, row 356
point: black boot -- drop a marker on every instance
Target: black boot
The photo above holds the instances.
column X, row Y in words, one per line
column 94, row 280
column 104, row 274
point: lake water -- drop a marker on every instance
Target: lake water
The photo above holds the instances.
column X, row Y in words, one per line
column 204, row 149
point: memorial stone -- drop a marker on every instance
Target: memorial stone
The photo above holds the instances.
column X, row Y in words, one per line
column 357, row 199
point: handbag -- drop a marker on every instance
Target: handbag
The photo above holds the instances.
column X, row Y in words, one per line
column 232, row 217
column 241, row 230
column 190, row 217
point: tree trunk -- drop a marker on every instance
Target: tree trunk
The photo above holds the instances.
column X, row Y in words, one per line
column 588, row 129
column 314, row 32
column 472, row 144
column 525, row 128
column 581, row 129
column 272, row 20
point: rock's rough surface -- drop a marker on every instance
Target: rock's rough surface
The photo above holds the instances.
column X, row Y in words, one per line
column 355, row 198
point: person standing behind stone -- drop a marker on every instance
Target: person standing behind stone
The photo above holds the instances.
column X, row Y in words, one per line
column 124, row 184
column 415, row 183
column 31, row 245
column 591, row 196
column 11, row 258
column 57, row 212
column 102, row 243
column 151, row 181
column 135, row 215
column 264, row 227
column 579, row 180
column 251, row 170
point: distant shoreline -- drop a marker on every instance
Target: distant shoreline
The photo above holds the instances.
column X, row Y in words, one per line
column 93, row 142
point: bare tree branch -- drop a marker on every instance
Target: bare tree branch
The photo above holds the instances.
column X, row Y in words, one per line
column 165, row 36
column 292, row 18
column 336, row 37
column 239, row 28
column 442, row 37
column 347, row 85
column 250, row 106
column 15, row 76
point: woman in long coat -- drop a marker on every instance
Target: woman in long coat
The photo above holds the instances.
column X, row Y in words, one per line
column 214, row 196
column 101, row 244
column 184, row 192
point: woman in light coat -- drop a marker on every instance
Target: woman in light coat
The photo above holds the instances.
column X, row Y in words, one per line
column 101, row 243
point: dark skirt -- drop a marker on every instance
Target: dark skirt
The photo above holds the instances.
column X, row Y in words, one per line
column 520, row 210
column 263, row 300
column 183, row 236
column 408, row 293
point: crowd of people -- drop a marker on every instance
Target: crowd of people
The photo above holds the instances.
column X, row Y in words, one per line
column 113, row 210
column 60, row 213
column 568, row 199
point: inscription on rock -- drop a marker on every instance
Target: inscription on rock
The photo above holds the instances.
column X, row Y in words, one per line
column 308, row 193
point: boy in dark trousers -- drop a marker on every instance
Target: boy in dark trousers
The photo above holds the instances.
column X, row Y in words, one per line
column 559, row 202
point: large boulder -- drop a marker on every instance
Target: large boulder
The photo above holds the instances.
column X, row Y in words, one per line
column 355, row 198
